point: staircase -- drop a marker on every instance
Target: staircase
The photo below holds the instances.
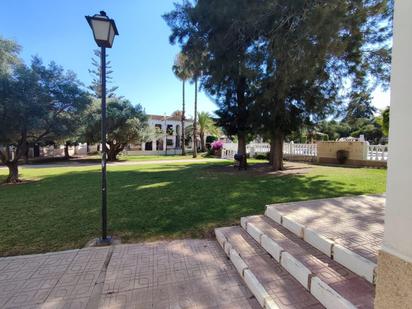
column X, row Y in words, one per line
column 289, row 265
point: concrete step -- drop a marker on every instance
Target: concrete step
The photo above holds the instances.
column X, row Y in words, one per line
column 349, row 229
column 331, row 283
column 268, row 281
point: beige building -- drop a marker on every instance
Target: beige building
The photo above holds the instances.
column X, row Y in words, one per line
column 172, row 128
column 169, row 139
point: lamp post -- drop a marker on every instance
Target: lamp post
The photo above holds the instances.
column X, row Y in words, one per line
column 104, row 30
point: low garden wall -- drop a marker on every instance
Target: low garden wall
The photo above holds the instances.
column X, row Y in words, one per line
column 359, row 154
column 153, row 152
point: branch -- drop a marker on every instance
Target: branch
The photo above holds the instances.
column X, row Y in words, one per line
column 22, row 145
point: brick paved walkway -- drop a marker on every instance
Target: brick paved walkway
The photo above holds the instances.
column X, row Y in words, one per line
column 354, row 222
column 177, row 274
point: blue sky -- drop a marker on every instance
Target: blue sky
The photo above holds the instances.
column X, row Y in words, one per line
column 141, row 56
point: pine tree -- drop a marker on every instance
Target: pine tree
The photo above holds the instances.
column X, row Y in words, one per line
column 95, row 85
column 273, row 66
column 216, row 30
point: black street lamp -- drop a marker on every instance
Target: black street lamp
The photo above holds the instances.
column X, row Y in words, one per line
column 104, row 31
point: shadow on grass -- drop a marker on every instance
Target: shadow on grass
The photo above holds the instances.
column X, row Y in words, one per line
column 154, row 202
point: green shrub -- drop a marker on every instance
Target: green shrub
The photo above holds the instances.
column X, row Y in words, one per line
column 261, row 156
column 210, row 139
column 210, row 152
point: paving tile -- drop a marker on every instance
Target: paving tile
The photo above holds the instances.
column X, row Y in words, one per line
column 177, row 274
column 25, row 298
column 54, row 280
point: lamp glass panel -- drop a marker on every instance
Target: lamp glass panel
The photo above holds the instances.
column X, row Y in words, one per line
column 101, row 29
column 111, row 35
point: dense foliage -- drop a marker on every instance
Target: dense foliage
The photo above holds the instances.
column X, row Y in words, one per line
column 374, row 129
column 275, row 66
column 38, row 104
column 126, row 124
column 44, row 104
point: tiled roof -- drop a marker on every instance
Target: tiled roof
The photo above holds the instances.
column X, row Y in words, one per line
column 161, row 117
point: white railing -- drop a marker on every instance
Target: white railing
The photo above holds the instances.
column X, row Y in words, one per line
column 307, row 150
column 229, row 150
column 254, row 148
column 58, row 151
column 302, row 151
column 377, row 152
column 289, row 149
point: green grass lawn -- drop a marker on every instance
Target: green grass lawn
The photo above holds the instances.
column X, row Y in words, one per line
column 58, row 208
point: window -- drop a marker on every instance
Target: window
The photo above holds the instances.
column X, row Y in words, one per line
column 170, row 129
column 149, row 146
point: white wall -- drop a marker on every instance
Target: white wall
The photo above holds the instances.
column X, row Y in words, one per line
column 398, row 211
column 153, row 122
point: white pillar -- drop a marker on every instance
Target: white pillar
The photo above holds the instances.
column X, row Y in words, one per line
column 395, row 258
column 398, row 220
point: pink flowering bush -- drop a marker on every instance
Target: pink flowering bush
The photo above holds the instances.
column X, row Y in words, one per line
column 217, row 145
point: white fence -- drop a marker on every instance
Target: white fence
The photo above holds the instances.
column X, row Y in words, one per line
column 307, row 150
column 301, row 151
column 377, row 153
column 289, row 149
column 230, row 149
column 170, row 152
column 52, row 151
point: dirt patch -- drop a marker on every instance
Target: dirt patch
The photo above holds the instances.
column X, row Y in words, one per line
column 259, row 169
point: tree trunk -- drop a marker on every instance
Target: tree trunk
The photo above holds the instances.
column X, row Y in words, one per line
column 195, row 124
column 241, row 150
column 26, row 154
column 13, row 165
column 66, row 151
column 13, row 176
column 112, row 155
column 276, row 150
column 202, row 141
column 113, row 151
column 242, row 120
column 183, row 120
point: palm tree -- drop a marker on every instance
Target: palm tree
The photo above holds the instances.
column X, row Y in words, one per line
column 180, row 68
column 195, row 123
column 206, row 126
column 196, row 72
